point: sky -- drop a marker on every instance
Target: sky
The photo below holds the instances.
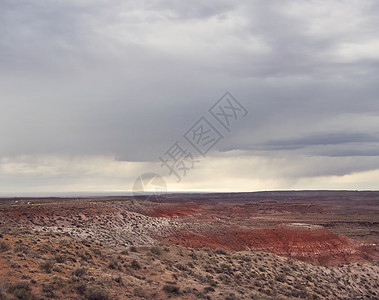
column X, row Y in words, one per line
column 95, row 93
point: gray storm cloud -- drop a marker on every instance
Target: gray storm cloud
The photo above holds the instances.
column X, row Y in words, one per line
column 125, row 79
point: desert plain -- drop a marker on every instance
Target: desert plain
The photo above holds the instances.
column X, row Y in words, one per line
column 261, row 245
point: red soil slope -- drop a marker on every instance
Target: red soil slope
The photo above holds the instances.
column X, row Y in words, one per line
column 228, row 226
column 243, row 210
column 175, row 210
column 309, row 243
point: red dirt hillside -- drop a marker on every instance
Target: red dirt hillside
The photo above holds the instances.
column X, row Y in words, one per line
column 231, row 210
column 305, row 242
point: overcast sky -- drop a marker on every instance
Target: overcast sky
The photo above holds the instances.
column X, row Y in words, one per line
column 94, row 92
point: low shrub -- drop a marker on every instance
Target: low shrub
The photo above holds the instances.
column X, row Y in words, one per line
column 48, row 290
column 181, row 267
column 47, row 265
column 113, row 264
column 81, row 288
column 21, row 290
column 280, row 278
column 79, row 272
column 135, row 264
column 139, row 292
column 156, row 250
column 209, row 289
column 59, row 258
column 96, row 292
column 220, row 251
column 171, row 289
column 4, row 246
